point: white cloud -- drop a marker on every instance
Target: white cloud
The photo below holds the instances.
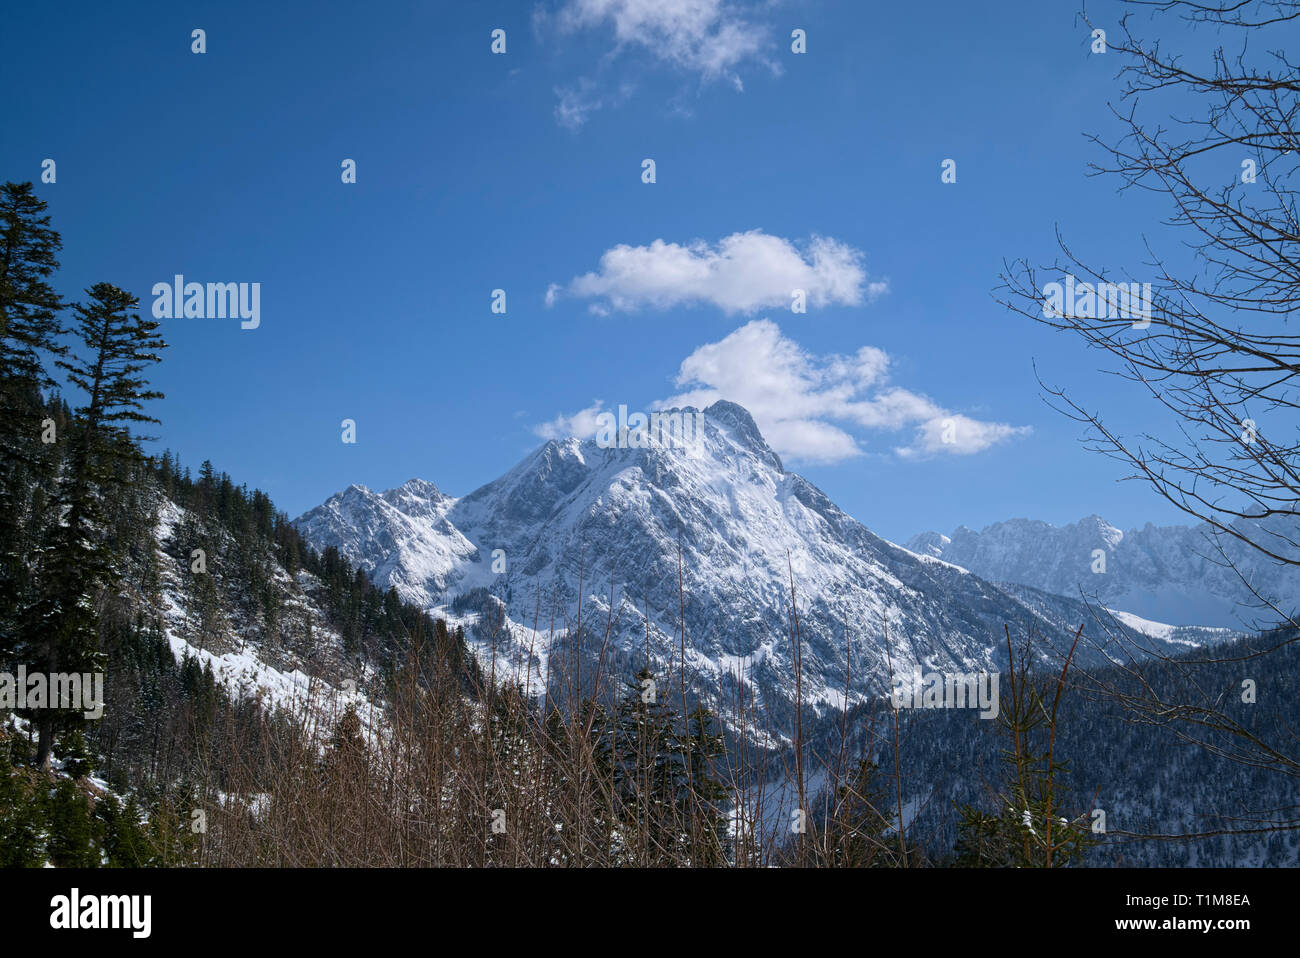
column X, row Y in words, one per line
column 959, row 435
column 708, row 37
column 743, row 273
column 805, row 405
column 810, row 408
column 582, row 424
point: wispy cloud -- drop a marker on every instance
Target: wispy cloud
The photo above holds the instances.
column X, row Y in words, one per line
column 582, row 424
column 584, row 97
column 577, row 103
column 708, row 39
column 742, row 273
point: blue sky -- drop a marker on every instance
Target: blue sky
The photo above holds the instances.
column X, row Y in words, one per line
column 523, row 172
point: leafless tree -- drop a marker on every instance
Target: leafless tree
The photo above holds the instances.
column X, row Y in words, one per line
column 1211, row 129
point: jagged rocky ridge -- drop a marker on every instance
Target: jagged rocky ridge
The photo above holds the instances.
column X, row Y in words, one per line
column 1178, row 574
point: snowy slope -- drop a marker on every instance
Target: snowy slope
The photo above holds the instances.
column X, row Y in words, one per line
column 298, row 665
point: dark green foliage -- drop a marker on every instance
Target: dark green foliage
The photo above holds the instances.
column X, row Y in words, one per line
column 73, row 831
column 60, row 626
column 72, row 751
column 1026, row 827
column 29, row 329
column 125, row 842
column 669, row 803
column 708, row 798
column 22, row 818
column 29, row 306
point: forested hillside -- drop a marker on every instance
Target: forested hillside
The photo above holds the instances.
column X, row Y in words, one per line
column 207, row 615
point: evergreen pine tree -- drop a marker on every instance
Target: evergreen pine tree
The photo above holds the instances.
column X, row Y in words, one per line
column 708, row 798
column 648, row 763
column 1027, row 828
column 73, row 832
column 59, row 628
column 125, row 843
column 29, row 326
column 22, row 816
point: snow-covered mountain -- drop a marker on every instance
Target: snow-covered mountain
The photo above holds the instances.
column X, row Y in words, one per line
column 1168, row 573
column 583, row 541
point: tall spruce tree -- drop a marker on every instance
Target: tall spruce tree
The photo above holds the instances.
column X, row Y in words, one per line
column 60, row 629
column 668, row 803
column 1031, row 823
column 29, row 327
column 707, row 798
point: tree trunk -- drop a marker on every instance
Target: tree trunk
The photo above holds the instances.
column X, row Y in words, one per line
column 45, row 741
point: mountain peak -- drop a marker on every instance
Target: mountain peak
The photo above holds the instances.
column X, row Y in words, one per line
column 743, row 428
column 1099, row 526
column 928, row 543
column 422, row 488
column 416, row 494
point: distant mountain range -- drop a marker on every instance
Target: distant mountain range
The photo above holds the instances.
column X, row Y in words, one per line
column 571, row 560
column 1174, row 574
